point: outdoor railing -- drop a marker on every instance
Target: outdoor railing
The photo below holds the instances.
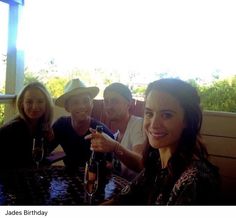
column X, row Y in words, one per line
column 8, row 101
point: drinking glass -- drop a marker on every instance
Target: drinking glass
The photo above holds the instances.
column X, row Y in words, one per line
column 91, row 179
column 37, row 151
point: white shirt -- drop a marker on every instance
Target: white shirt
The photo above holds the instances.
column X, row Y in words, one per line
column 133, row 135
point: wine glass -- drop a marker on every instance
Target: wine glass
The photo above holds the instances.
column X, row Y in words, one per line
column 91, row 179
column 38, row 151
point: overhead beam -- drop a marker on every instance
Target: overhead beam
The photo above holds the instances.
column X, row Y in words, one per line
column 20, row 2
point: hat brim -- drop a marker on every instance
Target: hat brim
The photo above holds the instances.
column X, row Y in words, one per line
column 92, row 91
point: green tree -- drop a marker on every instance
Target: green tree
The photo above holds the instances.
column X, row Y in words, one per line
column 2, row 106
column 55, row 86
column 139, row 90
column 30, row 77
column 220, row 96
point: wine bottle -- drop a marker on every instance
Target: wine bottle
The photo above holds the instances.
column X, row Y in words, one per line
column 93, row 167
column 104, row 159
column 98, row 156
column 91, row 174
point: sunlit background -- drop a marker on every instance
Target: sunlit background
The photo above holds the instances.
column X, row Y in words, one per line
column 184, row 38
column 137, row 39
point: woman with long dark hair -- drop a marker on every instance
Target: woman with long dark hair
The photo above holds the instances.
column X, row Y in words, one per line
column 176, row 167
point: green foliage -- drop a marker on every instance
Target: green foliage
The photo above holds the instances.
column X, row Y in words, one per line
column 29, row 78
column 220, row 96
column 1, row 114
column 56, row 86
column 139, row 90
column 2, row 106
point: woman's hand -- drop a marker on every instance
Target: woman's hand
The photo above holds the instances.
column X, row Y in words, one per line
column 101, row 142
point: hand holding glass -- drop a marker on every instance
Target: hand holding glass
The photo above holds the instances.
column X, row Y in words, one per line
column 37, row 151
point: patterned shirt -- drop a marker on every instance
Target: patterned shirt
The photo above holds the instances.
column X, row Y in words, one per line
column 198, row 184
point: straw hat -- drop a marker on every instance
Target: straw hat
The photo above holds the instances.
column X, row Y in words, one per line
column 75, row 87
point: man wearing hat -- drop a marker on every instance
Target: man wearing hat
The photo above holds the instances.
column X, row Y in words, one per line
column 69, row 131
column 130, row 137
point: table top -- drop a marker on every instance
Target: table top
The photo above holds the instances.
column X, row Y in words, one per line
column 53, row 186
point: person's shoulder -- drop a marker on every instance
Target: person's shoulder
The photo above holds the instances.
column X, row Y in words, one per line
column 12, row 126
column 188, row 178
column 199, row 170
column 189, row 173
column 13, row 123
column 203, row 166
column 134, row 120
column 135, row 124
column 62, row 124
column 206, row 179
column 62, row 120
column 206, row 169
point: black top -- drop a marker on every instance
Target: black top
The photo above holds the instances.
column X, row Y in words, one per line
column 76, row 148
column 16, row 145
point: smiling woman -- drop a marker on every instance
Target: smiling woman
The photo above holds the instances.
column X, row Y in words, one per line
column 33, row 122
column 176, row 171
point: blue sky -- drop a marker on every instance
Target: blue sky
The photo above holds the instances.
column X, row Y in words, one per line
column 188, row 38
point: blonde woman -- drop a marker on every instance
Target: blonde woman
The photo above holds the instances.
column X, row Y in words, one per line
column 35, row 108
